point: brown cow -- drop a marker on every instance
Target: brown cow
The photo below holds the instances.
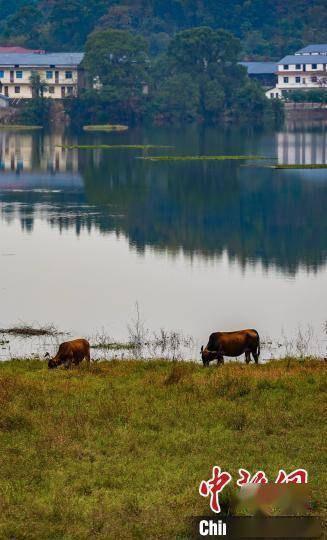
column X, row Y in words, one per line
column 71, row 352
column 222, row 344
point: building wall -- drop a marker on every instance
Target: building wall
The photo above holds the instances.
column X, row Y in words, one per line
column 15, row 82
column 309, row 75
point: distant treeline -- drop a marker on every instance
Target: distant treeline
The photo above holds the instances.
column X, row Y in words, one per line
column 267, row 28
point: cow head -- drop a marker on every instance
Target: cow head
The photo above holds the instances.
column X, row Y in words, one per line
column 53, row 362
column 207, row 355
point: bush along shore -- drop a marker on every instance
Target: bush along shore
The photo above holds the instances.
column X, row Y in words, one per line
column 119, row 451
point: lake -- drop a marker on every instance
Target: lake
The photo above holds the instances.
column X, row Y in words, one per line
column 86, row 235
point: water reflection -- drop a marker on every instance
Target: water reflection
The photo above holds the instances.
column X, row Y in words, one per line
column 262, row 215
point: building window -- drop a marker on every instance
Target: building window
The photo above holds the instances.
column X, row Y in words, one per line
column 17, row 89
column 297, row 79
column 68, row 74
column 285, row 66
column 51, row 89
column 69, row 90
column 314, row 66
column 285, row 79
column 49, row 74
column 313, row 79
column 2, row 73
column 298, row 66
column 271, row 94
column 19, row 74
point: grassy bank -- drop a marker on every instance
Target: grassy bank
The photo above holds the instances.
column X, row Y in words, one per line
column 119, row 452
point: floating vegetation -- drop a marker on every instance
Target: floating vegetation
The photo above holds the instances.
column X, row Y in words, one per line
column 201, row 158
column 30, row 331
column 114, row 346
column 18, row 127
column 106, row 127
column 300, row 166
column 111, row 146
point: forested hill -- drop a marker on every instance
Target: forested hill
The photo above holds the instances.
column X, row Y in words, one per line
column 268, row 28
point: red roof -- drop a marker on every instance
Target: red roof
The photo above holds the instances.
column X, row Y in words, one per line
column 20, row 50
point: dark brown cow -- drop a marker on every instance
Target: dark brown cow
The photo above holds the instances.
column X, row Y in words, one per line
column 222, row 344
column 71, row 352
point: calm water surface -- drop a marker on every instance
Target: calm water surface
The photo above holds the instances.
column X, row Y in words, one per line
column 201, row 246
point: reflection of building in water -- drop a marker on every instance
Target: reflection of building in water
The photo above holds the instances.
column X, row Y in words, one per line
column 301, row 147
column 26, row 152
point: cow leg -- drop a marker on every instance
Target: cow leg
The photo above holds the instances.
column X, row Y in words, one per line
column 68, row 361
column 247, row 357
column 220, row 359
column 255, row 357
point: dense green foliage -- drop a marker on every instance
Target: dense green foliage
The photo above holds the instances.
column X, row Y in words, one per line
column 315, row 95
column 267, row 28
column 120, row 451
column 198, row 78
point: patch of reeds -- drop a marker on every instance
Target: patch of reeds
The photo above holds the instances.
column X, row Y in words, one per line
column 113, row 346
column 24, row 330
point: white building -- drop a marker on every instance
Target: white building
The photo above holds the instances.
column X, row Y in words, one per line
column 304, row 70
column 61, row 72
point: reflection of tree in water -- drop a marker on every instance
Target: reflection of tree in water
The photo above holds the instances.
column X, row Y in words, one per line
column 206, row 208
column 203, row 208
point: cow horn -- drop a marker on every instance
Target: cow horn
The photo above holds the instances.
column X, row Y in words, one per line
column 202, row 348
column 47, row 355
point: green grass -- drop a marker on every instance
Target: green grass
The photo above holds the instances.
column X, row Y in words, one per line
column 200, row 158
column 106, row 127
column 301, row 166
column 111, row 146
column 119, row 451
column 113, row 346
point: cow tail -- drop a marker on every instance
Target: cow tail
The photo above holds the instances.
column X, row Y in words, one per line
column 258, row 350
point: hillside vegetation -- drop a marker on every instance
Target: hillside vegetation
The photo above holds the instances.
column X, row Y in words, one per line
column 119, row 452
column 268, row 28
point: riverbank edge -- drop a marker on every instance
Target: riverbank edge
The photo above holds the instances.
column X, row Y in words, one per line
column 119, row 450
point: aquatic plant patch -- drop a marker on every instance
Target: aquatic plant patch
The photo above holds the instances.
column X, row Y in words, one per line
column 106, row 127
column 18, row 127
column 111, row 146
column 114, row 346
column 300, row 166
column 25, row 330
column 201, row 158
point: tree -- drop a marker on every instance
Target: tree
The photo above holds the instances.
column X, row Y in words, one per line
column 38, row 86
column 24, row 25
column 178, row 99
column 209, row 58
column 72, row 20
column 36, row 110
column 117, row 60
